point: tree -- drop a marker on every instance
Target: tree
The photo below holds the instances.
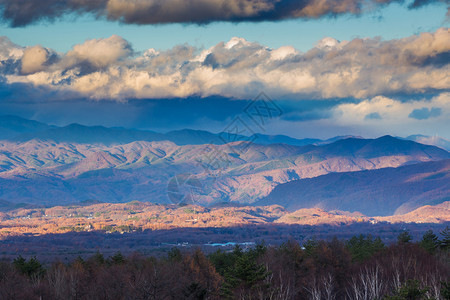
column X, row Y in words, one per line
column 445, row 242
column 241, row 270
column 362, row 247
column 310, row 246
column 246, row 274
column 98, row 258
column 202, row 280
column 117, row 258
column 404, row 237
column 429, row 241
column 174, row 254
column 410, row 291
column 445, row 290
column 32, row 267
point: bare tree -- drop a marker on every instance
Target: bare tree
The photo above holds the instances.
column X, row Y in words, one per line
column 368, row 284
column 322, row 289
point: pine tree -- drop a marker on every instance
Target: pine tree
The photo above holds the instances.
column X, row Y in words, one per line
column 240, row 269
column 174, row 254
column 362, row 247
column 445, row 290
column 98, row 258
column 118, row 258
column 411, row 290
column 404, row 237
column 429, row 241
column 445, row 242
column 32, row 267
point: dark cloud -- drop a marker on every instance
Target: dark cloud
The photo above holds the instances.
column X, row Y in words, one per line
column 212, row 113
column 309, row 110
column 24, row 12
column 420, row 3
column 425, row 113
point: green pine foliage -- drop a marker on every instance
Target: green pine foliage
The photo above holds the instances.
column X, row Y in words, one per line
column 117, row 259
column 363, row 247
column 241, row 270
column 404, row 237
column 429, row 241
column 445, row 241
column 410, row 290
column 31, row 267
column 445, row 290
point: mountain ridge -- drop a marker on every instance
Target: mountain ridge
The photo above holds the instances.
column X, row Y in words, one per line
column 385, row 191
column 46, row 172
column 19, row 129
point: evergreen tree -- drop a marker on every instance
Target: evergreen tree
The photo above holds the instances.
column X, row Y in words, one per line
column 362, row 247
column 98, row 258
column 410, row 291
column 445, row 242
column 247, row 271
column 174, row 254
column 445, row 290
column 222, row 261
column 429, row 241
column 310, row 246
column 404, row 237
column 117, row 258
column 32, row 267
column 240, row 269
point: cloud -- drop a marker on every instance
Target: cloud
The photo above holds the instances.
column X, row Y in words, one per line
column 426, row 116
column 395, row 116
column 420, row 3
column 360, row 68
column 24, row 12
column 373, row 116
column 425, row 113
column 34, row 59
column 99, row 53
column 9, row 50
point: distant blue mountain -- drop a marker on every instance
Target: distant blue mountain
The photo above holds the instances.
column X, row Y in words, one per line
column 19, row 129
column 12, row 126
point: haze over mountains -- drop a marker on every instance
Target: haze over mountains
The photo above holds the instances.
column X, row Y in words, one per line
column 15, row 128
column 18, row 129
column 49, row 165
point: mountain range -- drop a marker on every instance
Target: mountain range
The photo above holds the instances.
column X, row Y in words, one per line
column 14, row 128
column 385, row 192
column 48, row 165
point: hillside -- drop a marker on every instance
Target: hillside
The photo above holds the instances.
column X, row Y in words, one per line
column 51, row 173
column 138, row 216
column 382, row 192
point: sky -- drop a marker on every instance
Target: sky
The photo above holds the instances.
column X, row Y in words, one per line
column 361, row 67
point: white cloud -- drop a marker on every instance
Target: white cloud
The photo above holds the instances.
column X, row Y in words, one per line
column 394, row 114
column 9, row 50
column 100, row 53
column 361, row 68
column 33, row 59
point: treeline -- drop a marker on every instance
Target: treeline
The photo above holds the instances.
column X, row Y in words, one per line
column 360, row 268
